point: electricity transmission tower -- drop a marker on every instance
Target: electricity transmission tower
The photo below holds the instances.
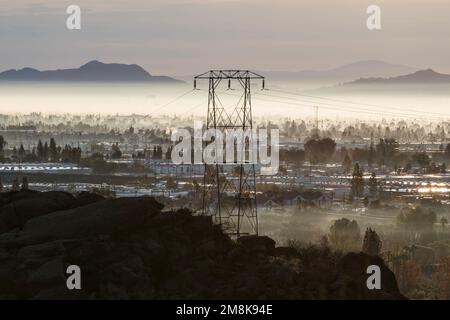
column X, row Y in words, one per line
column 229, row 193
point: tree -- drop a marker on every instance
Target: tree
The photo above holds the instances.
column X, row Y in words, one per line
column 160, row 152
column 371, row 156
column 320, row 150
column 347, row 163
column 15, row 185
column 15, row 154
column 447, row 151
column 21, row 153
column 371, row 243
column 441, row 277
column 366, row 201
column 3, row 143
column 45, row 156
column 410, row 277
column 40, row 150
column 357, row 181
column 53, row 151
column 422, row 159
column 282, row 170
column 345, row 235
column 70, row 154
column 386, row 150
column 157, row 152
column 293, row 156
column 24, row 183
column 373, row 184
column 31, row 157
column 417, row 217
column 116, row 152
column 408, row 167
column 169, row 153
column 443, row 222
column 197, row 187
column 418, row 224
column 170, row 183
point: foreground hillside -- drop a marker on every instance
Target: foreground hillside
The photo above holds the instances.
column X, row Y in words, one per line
column 128, row 248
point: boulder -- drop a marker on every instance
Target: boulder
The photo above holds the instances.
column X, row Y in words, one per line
column 60, row 292
column 257, row 244
column 25, row 205
column 51, row 272
column 104, row 217
column 354, row 266
column 285, row 252
column 7, row 197
column 44, row 250
column 84, row 198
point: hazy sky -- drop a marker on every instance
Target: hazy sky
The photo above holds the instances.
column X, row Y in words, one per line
column 177, row 37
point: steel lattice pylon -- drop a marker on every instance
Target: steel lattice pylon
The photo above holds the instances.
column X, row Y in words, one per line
column 229, row 189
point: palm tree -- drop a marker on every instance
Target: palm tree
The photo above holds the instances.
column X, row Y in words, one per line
column 3, row 143
column 443, row 222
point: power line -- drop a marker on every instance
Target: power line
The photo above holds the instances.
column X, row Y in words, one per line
column 193, row 108
column 336, row 105
column 170, row 102
column 354, row 109
column 358, row 103
column 341, row 108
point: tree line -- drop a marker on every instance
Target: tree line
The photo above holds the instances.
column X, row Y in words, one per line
column 43, row 152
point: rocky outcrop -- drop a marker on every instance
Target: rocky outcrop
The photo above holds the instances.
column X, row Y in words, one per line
column 111, row 216
column 257, row 244
column 84, row 198
column 17, row 207
column 128, row 248
column 354, row 266
column 20, row 206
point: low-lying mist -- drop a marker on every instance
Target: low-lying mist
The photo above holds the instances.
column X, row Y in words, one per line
column 182, row 100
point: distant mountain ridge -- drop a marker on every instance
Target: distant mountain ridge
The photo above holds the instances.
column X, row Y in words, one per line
column 348, row 72
column 425, row 81
column 95, row 71
column 428, row 76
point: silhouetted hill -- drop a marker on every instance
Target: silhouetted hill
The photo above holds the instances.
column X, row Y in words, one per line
column 348, row 72
column 428, row 76
column 128, row 248
column 91, row 71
